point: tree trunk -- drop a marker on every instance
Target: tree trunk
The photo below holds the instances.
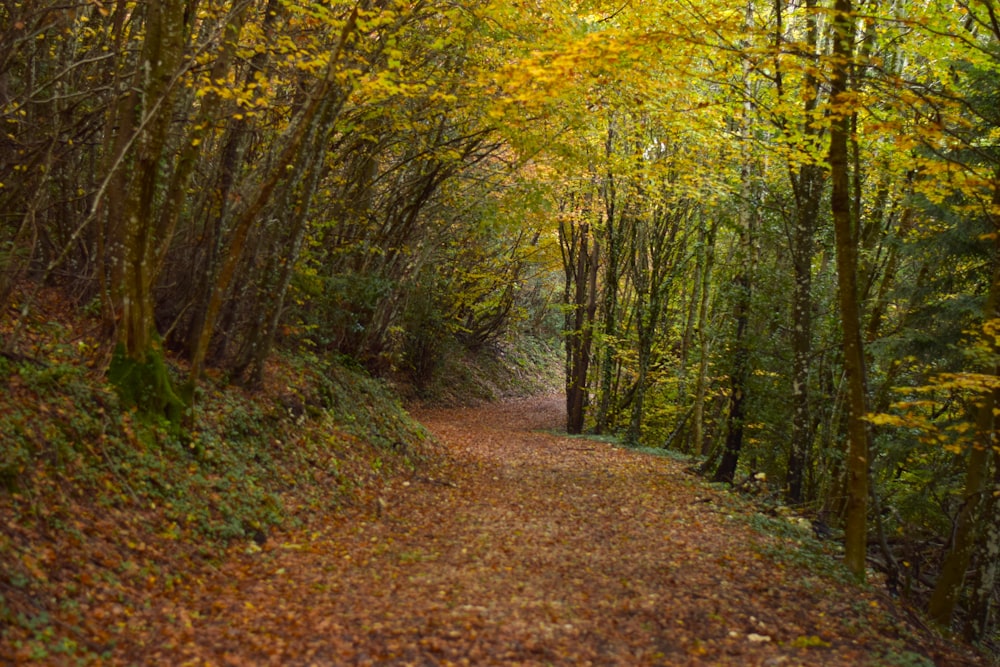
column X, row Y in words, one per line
column 948, row 586
column 206, row 259
column 137, row 369
column 610, row 306
column 701, row 444
column 320, row 99
column 633, row 434
column 983, row 587
column 272, row 303
column 689, row 338
column 856, row 525
column 808, row 190
column 807, row 179
column 738, row 380
column 578, row 340
column 743, row 285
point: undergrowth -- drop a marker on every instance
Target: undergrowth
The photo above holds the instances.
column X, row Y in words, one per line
column 794, row 544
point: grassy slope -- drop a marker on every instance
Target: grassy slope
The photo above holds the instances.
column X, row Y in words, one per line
column 99, row 507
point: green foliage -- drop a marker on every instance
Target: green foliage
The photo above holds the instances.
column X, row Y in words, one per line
column 428, row 331
column 905, row 659
column 666, row 453
column 812, row 641
column 342, row 314
column 793, row 543
column 54, row 415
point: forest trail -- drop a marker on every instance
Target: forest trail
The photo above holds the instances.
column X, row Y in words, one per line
column 521, row 547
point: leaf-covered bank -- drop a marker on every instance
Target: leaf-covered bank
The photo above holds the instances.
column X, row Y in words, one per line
column 102, row 508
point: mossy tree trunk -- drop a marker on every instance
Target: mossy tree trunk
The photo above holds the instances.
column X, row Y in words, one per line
column 138, row 369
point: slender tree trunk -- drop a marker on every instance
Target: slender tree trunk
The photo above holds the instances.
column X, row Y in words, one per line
column 652, row 268
column 856, row 525
column 983, row 588
column 609, row 325
column 579, row 338
column 688, row 339
column 610, row 305
column 808, row 190
column 272, row 303
column 633, row 434
column 231, row 158
column 701, row 444
column 807, row 181
column 321, row 98
column 644, row 278
column 120, row 124
column 743, row 285
column 948, row 586
column 738, row 380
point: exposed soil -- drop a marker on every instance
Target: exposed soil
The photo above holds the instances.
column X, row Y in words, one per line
column 520, row 547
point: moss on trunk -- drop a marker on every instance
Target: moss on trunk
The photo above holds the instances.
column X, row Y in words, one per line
column 144, row 384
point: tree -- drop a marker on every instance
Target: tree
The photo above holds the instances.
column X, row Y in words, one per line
column 739, row 376
column 141, row 220
column 807, row 178
column 856, row 527
column 580, row 262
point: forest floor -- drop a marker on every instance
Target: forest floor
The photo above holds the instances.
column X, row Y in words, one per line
column 517, row 546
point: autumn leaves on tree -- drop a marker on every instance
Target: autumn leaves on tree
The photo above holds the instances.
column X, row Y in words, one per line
column 771, row 227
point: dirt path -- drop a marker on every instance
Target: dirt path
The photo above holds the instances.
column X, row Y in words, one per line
column 524, row 548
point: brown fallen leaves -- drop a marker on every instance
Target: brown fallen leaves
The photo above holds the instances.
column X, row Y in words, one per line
column 518, row 547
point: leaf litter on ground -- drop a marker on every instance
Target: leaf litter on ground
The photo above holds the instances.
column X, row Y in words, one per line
column 512, row 545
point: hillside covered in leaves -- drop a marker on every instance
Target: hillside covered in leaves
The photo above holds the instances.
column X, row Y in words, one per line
column 763, row 236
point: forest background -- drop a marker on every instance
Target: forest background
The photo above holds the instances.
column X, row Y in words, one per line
column 766, row 234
